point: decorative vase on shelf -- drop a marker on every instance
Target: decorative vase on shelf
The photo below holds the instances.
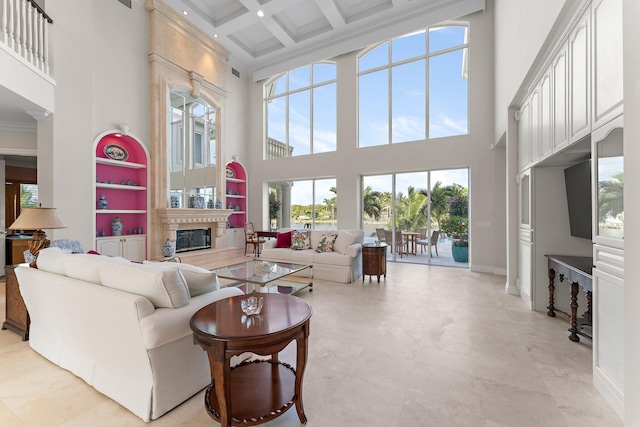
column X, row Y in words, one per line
column 237, row 207
column 116, row 227
column 102, row 202
column 230, row 206
column 210, row 204
column 192, row 202
column 168, row 249
column 175, row 202
column 218, row 204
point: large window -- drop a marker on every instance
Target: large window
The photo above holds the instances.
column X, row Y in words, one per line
column 301, row 112
column 304, row 204
column 409, row 81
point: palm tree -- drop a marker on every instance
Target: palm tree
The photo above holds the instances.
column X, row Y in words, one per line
column 610, row 196
column 372, row 203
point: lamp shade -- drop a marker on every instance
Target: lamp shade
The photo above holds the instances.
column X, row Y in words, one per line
column 37, row 219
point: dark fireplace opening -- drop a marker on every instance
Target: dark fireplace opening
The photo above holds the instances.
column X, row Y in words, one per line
column 193, row 239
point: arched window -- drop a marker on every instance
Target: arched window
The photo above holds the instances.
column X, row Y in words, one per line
column 409, row 81
column 300, row 107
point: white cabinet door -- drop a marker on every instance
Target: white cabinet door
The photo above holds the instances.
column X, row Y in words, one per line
column 535, row 127
column 606, row 61
column 524, row 137
column 579, row 81
column 109, row 247
column 559, row 69
column 133, row 248
column 546, row 137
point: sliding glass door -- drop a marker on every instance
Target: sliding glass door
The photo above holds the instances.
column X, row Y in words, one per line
column 423, row 216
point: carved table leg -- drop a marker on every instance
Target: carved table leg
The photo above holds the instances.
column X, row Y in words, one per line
column 574, row 313
column 552, row 277
column 301, row 363
column 587, row 314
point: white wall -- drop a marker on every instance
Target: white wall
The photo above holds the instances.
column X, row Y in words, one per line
column 349, row 163
column 21, row 143
column 631, row 40
column 520, row 29
column 102, row 79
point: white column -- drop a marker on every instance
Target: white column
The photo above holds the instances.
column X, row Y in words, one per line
column 10, row 19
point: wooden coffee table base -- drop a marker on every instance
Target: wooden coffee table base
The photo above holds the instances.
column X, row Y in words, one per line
column 261, row 391
column 253, row 392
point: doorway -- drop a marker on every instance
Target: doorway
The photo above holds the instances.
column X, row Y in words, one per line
column 425, row 215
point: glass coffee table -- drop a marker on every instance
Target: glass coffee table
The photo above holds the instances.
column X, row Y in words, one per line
column 265, row 276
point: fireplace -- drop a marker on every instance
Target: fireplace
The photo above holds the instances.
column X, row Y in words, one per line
column 193, row 239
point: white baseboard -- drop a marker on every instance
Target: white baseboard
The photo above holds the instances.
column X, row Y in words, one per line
column 481, row 268
column 609, row 391
column 511, row 289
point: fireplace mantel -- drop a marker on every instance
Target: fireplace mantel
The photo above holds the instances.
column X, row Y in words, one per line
column 174, row 219
column 178, row 216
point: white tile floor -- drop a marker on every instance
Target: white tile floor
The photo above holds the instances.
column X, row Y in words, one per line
column 433, row 346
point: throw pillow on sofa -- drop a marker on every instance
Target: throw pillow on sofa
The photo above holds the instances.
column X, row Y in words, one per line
column 164, row 287
column 326, row 243
column 283, row 240
column 300, row 240
column 343, row 241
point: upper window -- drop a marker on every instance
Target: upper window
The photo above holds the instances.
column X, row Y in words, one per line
column 301, row 111
column 409, row 81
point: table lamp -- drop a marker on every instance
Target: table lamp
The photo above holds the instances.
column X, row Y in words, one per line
column 37, row 219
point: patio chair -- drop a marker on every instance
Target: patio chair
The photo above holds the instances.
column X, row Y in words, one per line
column 401, row 244
column 380, row 232
column 251, row 238
column 433, row 241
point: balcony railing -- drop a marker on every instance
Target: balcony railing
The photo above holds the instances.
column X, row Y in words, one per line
column 277, row 149
column 24, row 30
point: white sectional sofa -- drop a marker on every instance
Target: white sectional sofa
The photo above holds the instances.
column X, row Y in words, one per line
column 343, row 264
column 121, row 327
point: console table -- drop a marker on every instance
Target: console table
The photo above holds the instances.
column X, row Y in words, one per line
column 257, row 391
column 577, row 270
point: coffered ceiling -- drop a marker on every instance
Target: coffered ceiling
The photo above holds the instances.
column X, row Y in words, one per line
column 292, row 33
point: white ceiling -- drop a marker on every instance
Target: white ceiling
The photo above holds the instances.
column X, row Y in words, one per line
column 293, row 33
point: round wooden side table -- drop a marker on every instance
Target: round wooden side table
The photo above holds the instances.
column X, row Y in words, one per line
column 374, row 260
column 258, row 391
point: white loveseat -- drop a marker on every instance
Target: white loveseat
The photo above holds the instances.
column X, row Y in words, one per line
column 89, row 315
column 343, row 264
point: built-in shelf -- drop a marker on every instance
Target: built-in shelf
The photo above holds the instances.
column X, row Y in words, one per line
column 120, row 186
column 236, row 189
column 120, row 211
column 238, row 212
column 234, row 196
column 120, row 163
column 238, row 180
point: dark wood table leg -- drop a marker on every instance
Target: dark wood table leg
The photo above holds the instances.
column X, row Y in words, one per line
column 588, row 315
column 221, row 374
column 552, row 287
column 301, row 363
column 574, row 313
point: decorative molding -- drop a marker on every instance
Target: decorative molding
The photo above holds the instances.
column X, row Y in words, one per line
column 38, row 114
column 18, row 127
column 18, row 152
column 193, row 216
column 156, row 57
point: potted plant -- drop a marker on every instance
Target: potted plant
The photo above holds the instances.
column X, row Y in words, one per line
column 458, row 228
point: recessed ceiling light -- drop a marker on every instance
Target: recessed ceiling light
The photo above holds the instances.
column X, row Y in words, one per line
column 118, row 135
column 215, row 36
column 185, row 13
column 260, row 13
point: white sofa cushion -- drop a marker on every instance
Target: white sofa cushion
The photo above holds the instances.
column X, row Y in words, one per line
column 199, row 280
column 163, row 285
column 87, row 266
column 332, row 258
column 51, row 260
column 343, row 241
